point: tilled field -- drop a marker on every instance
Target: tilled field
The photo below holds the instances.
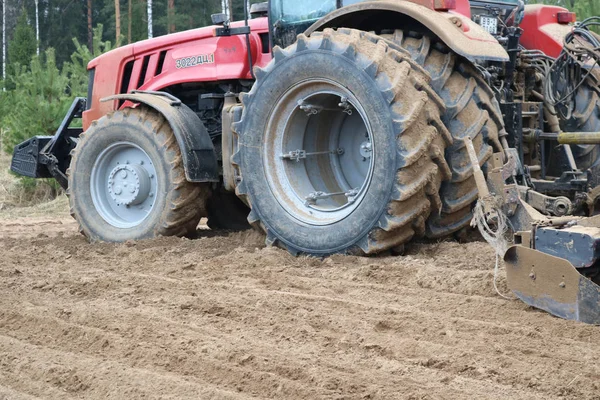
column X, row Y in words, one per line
column 222, row 317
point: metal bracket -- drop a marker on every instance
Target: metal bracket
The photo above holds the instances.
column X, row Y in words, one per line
column 227, row 31
column 309, row 109
column 297, row 155
column 556, row 206
column 345, row 105
column 312, row 198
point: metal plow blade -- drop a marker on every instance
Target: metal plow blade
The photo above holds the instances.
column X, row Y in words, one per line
column 552, row 284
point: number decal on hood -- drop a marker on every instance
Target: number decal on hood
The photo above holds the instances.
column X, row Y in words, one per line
column 187, row 62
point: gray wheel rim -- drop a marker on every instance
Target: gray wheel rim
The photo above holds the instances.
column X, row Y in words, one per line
column 318, row 152
column 123, row 185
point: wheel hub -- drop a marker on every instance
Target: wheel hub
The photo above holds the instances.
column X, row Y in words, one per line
column 366, row 148
column 129, row 184
column 124, row 185
column 319, row 152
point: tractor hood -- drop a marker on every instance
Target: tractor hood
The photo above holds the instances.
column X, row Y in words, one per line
column 193, row 56
column 168, row 41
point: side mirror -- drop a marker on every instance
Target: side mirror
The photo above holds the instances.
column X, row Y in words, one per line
column 259, row 9
column 219, row 19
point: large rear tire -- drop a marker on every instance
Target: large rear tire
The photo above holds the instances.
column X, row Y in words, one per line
column 127, row 181
column 341, row 146
column 471, row 110
column 585, row 118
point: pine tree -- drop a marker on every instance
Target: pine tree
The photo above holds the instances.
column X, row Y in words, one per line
column 23, row 45
column 63, row 20
column 40, row 101
column 76, row 69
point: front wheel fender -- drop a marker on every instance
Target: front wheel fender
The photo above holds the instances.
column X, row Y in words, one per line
column 197, row 150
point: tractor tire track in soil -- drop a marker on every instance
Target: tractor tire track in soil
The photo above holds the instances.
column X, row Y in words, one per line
column 223, row 317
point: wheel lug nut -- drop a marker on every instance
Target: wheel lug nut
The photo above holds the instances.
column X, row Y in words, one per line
column 141, row 162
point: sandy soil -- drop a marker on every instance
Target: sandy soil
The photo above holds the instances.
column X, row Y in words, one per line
column 222, row 317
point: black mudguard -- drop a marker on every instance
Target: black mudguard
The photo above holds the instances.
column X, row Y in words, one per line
column 197, row 150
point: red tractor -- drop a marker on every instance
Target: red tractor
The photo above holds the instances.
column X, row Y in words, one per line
column 338, row 126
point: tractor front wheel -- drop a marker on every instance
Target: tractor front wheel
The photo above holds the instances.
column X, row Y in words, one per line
column 127, row 181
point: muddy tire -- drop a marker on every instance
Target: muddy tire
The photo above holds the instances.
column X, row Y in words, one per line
column 471, row 110
column 369, row 123
column 127, row 181
column 585, row 118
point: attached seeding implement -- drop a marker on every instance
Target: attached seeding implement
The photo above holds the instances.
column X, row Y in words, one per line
column 352, row 127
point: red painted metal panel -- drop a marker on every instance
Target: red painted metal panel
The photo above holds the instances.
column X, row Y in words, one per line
column 151, row 67
column 214, row 59
column 541, row 30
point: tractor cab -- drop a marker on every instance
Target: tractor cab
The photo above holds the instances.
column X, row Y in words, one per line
column 288, row 19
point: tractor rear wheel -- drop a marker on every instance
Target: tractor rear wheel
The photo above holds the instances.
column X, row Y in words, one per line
column 341, row 146
column 127, row 181
column 585, row 118
column 471, row 110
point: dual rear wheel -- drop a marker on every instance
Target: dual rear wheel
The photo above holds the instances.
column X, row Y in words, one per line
column 341, row 146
